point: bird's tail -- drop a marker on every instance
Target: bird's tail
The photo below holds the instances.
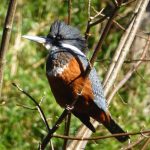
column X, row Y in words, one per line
column 112, row 126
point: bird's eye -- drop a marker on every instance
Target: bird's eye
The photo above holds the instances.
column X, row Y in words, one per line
column 59, row 37
column 54, row 36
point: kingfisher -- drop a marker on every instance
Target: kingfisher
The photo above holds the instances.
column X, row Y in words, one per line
column 66, row 65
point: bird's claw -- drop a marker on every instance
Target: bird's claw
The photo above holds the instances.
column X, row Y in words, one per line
column 69, row 108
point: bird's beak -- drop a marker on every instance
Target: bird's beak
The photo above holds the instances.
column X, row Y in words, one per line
column 37, row 39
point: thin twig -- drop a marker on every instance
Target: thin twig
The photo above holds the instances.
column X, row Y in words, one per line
column 130, row 72
column 123, row 101
column 91, row 24
column 67, row 127
column 36, row 104
column 89, row 20
column 26, row 107
column 55, row 127
column 146, row 144
column 127, row 3
column 101, row 40
column 126, row 61
column 82, row 132
column 97, row 14
column 124, row 47
column 146, row 82
column 89, row 9
column 6, row 37
column 117, row 54
column 133, row 144
column 69, row 11
column 100, row 137
column 137, row 60
column 30, row 108
column 51, row 144
column 98, row 21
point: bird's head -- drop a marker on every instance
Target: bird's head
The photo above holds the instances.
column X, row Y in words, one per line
column 62, row 35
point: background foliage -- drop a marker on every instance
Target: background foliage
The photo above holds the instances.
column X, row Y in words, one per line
column 22, row 128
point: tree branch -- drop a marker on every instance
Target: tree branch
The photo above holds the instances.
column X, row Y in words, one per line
column 124, row 46
column 69, row 11
column 36, row 104
column 100, row 137
column 130, row 72
column 6, row 37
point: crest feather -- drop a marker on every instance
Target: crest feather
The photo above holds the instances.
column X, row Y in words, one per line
column 67, row 34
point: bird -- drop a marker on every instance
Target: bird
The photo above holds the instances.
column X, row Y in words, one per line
column 66, row 65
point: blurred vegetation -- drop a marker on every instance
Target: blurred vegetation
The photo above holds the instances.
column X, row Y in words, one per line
column 22, row 128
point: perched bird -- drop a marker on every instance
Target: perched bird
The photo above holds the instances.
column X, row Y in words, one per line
column 65, row 69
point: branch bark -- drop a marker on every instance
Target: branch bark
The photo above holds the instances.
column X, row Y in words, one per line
column 130, row 72
column 69, row 11
column 146, row 132
column 6, row 37
column 124, row 46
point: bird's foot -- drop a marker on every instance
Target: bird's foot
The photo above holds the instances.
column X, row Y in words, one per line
column 69, row 108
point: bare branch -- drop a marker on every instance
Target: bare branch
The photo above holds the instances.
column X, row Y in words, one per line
column 51, row 144
column 100, row 137
column 89, row 9
column 69, row 11
column 26, row 107
column 146, row 82
column 129, row 74
column 67, row 127
column 97, row 14
column 55, row 127
column 145, row 146
column 101, row 40
column 36, row 103
column 131, row 145
column 124, row 46
column 90, row 24
column 89, row 20
column 126, row 61
column 127, row 3
column 6, row 37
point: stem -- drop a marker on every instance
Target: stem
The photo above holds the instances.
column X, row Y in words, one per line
column 6, row 37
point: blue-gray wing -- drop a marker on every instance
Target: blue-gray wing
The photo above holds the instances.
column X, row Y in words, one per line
column 97, row 88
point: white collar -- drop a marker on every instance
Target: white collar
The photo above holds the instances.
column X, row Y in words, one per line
column 73, row 48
